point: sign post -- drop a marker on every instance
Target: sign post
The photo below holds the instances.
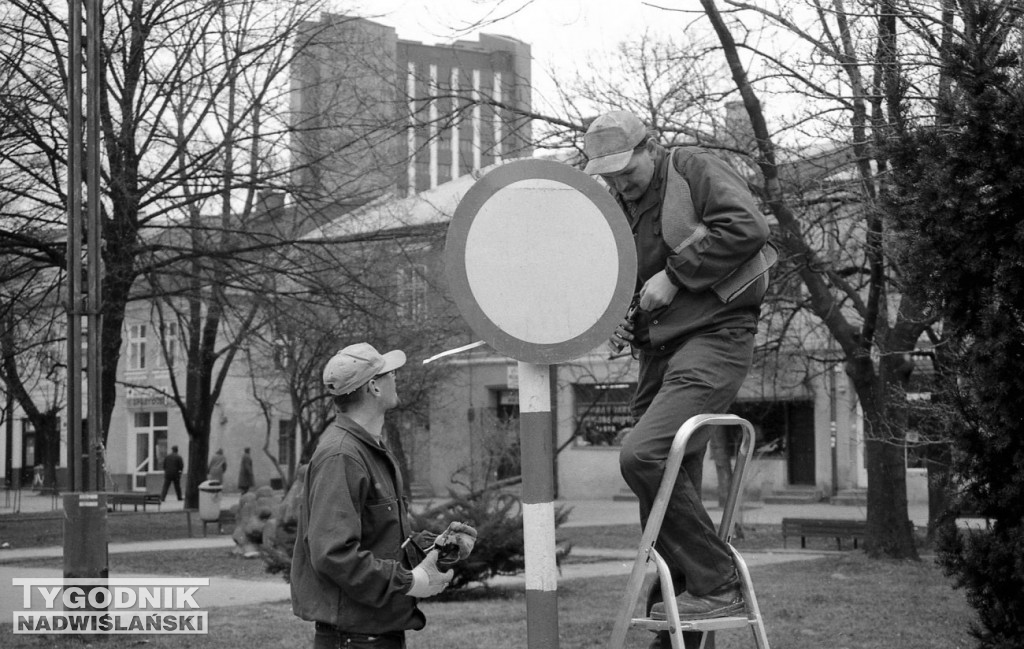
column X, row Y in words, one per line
column 542, row 266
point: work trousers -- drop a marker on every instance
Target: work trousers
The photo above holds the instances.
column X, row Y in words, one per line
column 703, row 376
column 330, row 637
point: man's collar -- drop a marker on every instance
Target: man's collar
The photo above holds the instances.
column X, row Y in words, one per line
column 351, row 425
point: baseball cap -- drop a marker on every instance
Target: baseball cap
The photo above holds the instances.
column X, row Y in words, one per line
column 610, row 140
column 356, row 364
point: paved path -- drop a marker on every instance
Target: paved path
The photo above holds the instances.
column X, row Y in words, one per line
column 584, row 512
column 223, row 591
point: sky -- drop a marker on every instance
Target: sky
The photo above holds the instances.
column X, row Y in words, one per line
column 562, row 33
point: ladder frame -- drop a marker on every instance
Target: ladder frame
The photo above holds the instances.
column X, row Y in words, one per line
column 646, row 552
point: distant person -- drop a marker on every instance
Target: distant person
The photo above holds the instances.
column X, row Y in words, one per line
column 245, row 476
column 174, row 466
column 702, row 263
column 218, row 466
column 357, row 570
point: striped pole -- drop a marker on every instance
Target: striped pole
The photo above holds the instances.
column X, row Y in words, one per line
column 537, row 452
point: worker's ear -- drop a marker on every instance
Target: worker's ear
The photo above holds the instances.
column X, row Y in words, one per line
column 373, row 388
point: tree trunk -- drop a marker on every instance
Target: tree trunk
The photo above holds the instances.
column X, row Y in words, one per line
column 198, row 456
column 48, row 449
column 889, row 529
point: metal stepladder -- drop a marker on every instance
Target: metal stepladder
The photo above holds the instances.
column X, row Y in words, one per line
column 752, row 618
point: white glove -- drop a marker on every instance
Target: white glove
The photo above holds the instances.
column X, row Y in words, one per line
column 427, row 580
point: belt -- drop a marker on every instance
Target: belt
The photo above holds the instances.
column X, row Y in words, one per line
column 324, row 627
column 327, row 628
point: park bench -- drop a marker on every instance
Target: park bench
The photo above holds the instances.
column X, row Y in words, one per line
column 836, row 528
column 116, row 500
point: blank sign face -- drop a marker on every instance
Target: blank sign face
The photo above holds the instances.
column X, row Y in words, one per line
column 540, row 261
column 538, row 279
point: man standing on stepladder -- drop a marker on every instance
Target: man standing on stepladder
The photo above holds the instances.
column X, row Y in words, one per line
column 703, row 260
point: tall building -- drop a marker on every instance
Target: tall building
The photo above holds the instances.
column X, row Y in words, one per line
column 374, row 113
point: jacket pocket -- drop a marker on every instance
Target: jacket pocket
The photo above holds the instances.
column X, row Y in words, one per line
column 382, row 527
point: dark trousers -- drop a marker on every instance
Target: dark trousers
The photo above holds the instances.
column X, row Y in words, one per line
column 329, row 637
column 168, row 481
column 703, row 376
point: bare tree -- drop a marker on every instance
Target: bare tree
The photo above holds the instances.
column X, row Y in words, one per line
column 195, row 116
column 32, row 357
column 837, row 272
column 873, row 65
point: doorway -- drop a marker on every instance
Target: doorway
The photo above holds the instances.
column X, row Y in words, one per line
column 149, row 437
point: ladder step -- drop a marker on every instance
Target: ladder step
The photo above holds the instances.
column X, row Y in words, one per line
column 711, row 624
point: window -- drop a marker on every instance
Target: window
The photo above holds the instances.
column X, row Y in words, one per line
column 603, row 415
column 412, row 293
column 137, row 347
column 920, row 422
column 168, row 345
column 285, row 442
column 508, row 405
column 149, row 435
column 778, row 424
column 28, row 444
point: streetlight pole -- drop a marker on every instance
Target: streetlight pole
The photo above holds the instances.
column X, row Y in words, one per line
column 94, row 308
column 74, row 246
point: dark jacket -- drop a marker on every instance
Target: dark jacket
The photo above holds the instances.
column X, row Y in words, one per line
column 348, row 567
column 737, row 231
column 173, row 465
column 246, row 479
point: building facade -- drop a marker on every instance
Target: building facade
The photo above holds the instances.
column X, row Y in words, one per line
column 375, row 114
column 394, row 132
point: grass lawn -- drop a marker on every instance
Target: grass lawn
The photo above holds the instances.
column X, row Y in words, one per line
column 841, row 601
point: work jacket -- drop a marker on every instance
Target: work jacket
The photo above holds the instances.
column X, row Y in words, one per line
column 736, row 233
column 348, row 567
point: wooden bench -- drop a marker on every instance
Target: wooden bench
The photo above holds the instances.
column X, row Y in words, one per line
column 118, row 499
column 837, row 528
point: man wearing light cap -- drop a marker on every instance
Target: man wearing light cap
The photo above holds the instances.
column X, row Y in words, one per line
column 357, row 571
column 702, row 273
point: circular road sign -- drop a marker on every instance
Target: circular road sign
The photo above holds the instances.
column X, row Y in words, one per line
column 540, row 261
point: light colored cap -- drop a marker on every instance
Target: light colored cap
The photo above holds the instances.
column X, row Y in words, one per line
column 610, row 140
column 353, row 366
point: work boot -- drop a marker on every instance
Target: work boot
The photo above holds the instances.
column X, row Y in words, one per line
column 724, row 602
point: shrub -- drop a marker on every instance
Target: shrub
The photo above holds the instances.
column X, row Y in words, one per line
column 280, row 529
column 498, row 519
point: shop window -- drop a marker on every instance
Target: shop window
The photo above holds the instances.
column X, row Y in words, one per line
column 508, row 405
column 776, row 423
column 602, row 413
